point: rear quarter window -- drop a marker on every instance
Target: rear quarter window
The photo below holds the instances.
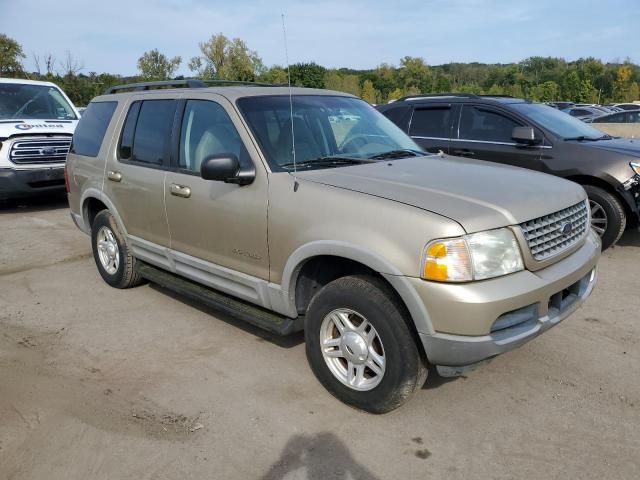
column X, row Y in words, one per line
column 90, row 131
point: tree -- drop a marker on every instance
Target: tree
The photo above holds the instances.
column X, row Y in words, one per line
column 622, row 82
column 154, row 65
column 307, row 75
column 414, row 74
column 334, row 80
column 276, row 75
column 225, row 59
column 369, row 93
column 11, row 56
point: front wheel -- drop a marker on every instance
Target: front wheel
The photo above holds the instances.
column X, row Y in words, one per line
column 359, row 344
column 608, row 218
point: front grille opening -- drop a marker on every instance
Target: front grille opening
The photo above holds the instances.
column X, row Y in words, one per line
column 40, row 150
column 552, row 234
column 520, row 319
column 564, row 298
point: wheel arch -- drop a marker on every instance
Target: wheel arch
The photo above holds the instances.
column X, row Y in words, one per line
column 333, row 259
column 93, row 200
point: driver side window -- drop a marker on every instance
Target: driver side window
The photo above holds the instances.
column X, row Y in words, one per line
column 206, row 130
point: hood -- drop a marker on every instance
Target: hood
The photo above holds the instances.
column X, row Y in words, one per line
column 478, row 195
column 626, row 146
column 10, row 128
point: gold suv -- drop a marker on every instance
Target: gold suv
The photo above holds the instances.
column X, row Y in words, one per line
column 308, row 209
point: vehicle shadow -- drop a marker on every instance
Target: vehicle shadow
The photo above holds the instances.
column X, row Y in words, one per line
column 631, row 238
column 321, row 456
column 35, row 204
column 288, row 341
column 435, row 380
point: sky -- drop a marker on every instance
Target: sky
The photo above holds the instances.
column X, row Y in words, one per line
column 110, row 35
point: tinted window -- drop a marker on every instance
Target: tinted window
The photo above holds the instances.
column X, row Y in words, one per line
column 617, row 118
column 486, row 125
column 126, row 141
column 633, row 117
column 431, row 122
column 396, row 114
column 153, row 131
column 206, row 130
column 92, row 127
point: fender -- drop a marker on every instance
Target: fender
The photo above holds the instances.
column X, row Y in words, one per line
column 283, row 296
column 99, row 195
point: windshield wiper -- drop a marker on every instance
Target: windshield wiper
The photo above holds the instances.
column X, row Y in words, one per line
column 582, row 138
column 403, row 153
column 327, row 162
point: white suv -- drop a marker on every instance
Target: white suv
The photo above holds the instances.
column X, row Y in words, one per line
column 37, row 121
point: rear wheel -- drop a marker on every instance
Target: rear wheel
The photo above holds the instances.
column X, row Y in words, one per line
column 115, row 263
column 360, row 346
column 608, row 218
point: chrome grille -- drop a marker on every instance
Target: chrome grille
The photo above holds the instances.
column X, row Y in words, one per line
column 546, row 237
column 40, row 150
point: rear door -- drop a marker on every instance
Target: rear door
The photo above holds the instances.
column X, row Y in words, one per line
column 136, row 170
column 431, row 126
column 484, row 133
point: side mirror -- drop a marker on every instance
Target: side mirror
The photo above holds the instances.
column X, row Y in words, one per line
column 223, row 168
column 525, row 135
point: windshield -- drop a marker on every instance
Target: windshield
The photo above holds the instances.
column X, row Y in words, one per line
column 324, row 128
column 560, row 123
column 24, row 101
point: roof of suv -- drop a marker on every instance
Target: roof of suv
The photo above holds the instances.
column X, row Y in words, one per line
column 27, row 82
column 232, row 92
column 458, row 97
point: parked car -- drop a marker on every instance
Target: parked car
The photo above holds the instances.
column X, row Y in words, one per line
column 626, row 116
column 386, row 257
column 584, row 113
column 561, row 105
column 534, row 136
column 36, row 123
column 627, row 106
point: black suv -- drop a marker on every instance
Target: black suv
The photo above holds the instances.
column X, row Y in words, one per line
column 531, row 135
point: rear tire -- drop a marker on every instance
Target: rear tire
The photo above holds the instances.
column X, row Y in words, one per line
column 608, row 217
column 372, row 361
column 115, row 263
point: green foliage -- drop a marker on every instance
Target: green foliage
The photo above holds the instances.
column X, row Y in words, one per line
column 154, row 65
column 537, row 78
column 224, row 59
column 11, row 56
column 309, row 75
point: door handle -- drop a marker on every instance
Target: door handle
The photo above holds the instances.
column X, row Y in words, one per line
column 114, row 176
column 464, row 152
column 180, row 190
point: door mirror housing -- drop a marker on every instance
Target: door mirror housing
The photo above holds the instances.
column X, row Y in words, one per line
column 525, row 136
column 222, row 168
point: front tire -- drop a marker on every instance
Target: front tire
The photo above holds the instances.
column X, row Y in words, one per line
column 359, row 344
column 608, row 218
column 115, row 263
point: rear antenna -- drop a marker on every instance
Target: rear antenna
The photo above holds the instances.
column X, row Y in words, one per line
column 293, row 137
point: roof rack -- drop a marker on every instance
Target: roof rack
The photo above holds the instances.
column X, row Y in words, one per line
column 438, row 95
column 194, row 83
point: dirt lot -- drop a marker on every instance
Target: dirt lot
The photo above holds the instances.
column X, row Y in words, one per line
column 97, row 383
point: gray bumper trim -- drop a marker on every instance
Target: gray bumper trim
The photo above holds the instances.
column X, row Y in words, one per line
column 459, row 350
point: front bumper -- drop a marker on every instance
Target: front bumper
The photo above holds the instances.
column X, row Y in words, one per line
column 465, row 317
column 25, row 183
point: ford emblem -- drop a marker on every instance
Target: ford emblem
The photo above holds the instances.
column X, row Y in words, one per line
column 566, row 228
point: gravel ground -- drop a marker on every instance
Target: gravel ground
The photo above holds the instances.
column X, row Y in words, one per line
column 97, row 383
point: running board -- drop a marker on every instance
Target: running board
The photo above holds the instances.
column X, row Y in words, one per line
column 247, row 312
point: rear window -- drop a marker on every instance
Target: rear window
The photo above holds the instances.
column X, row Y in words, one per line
column 147, row 132
column 91, row 129
column 431, row 122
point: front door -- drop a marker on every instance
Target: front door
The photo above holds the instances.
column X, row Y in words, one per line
column 484, row 133
column 216, row 224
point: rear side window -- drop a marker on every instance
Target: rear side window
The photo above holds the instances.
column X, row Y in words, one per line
column 397, row 115
column 431, row 122
column 486, row 125
column 146, row 134
column 617, row 118
column 91, row 129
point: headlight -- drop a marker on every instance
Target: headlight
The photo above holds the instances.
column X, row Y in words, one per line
column 472, row 257
column 635, row 167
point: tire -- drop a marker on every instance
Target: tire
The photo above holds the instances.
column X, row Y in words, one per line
column 608, row 216
column 356, row 301
column 121, row 269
